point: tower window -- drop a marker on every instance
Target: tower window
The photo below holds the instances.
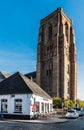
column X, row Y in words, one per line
column 50, row 72
column 66, row 31
column 50, row 31
column 47, row 73
column 48, row 48
column 42, row 33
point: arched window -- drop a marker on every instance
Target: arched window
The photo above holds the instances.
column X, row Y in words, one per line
column 70, row 30
column 71, row 33
column 50, row 31
column 66, row 31
column 42, row 33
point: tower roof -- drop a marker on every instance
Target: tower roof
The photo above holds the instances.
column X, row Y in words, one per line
column 56, row 12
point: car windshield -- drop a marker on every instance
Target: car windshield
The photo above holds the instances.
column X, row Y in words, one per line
column 70, row 111
column 78, row 109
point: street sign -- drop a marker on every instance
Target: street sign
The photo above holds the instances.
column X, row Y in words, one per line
column 62, row 100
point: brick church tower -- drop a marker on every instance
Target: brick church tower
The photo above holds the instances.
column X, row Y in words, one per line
column 56, row 56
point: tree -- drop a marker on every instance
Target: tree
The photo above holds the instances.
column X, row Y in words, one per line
column 57, row 102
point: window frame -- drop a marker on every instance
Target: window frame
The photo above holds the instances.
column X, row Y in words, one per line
column 18, row 106
column 4, row 104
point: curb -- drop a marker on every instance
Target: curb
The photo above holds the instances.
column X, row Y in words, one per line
column 38, row 121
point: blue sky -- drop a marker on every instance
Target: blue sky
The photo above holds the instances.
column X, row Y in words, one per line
column 19, row 26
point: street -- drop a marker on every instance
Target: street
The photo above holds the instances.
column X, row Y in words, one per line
column 71, row 124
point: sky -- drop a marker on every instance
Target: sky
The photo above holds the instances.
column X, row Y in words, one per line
column 19, row 28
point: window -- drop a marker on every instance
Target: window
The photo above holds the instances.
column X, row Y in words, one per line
column 46, row 107
column 42, row 33
column 4, row 105
column 42, row 107
column 38, row 103
column 66, row 31
column 48, row 48
column 50, row 31
column 18, row 105
column 51, row 107
column 49, row 72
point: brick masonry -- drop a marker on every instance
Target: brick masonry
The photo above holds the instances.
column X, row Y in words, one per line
column 56, row 56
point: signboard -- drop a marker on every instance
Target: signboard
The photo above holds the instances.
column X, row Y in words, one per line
column 35, row 108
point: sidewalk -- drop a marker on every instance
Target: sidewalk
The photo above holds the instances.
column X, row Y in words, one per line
column 44, row 120
column 50, row 120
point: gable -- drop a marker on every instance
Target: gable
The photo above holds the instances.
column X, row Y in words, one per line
column 14, row 85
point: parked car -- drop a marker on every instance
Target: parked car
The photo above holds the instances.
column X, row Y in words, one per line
column 79, row 111
column 82, row 112
column 72, row 114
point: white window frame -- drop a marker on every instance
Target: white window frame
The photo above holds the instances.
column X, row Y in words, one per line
column 18, row 106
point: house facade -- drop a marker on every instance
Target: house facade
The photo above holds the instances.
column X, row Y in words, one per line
column 21, row 105
column 21, row 98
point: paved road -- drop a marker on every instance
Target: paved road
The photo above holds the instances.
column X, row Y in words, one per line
column 77, row 124
column 26, row 126
column 73, row 124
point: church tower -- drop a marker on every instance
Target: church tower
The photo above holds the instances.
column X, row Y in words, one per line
column 56, row 56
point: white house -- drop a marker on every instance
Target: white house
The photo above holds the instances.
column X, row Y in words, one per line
column 20, row 97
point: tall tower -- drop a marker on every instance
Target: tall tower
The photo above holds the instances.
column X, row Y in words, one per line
column 56, row 56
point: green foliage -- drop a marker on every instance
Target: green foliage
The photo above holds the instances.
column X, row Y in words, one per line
column 67, row 103
column 80, row 103
column 57, row 102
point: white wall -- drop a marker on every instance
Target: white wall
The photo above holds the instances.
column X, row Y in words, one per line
column 27, row 103
column 11, row 102
column 40, row 100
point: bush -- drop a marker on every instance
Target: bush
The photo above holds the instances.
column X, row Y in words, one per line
column 80, row 103
column 57, row 103
column 67, row 103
